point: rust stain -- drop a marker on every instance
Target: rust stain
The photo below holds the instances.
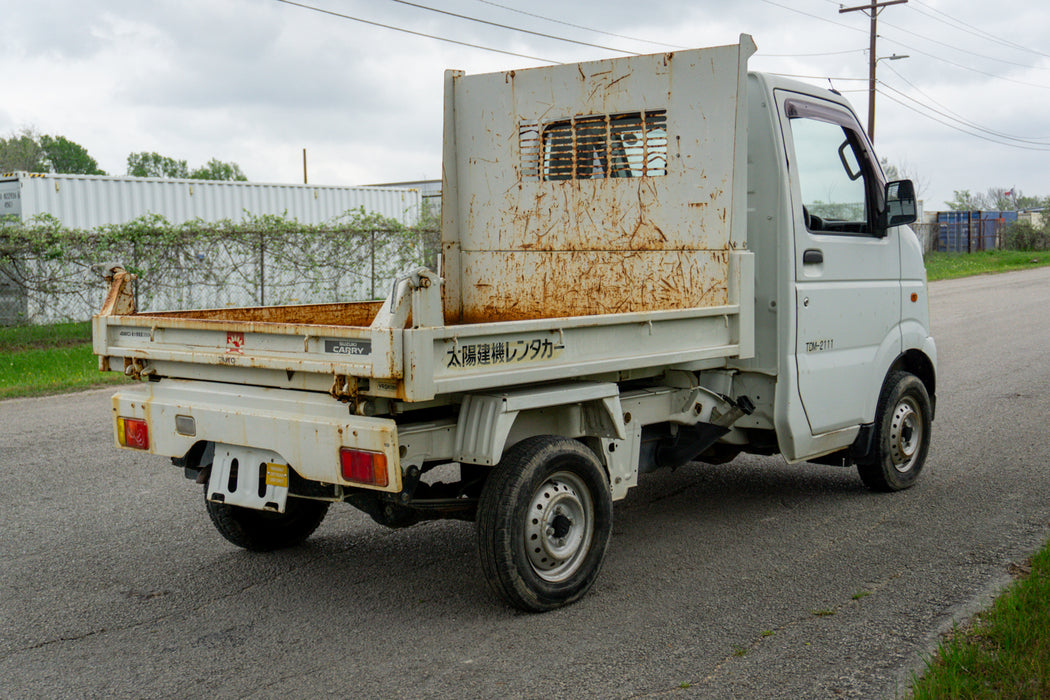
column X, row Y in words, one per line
column 338, row 314
column 557, row 284
column 120, row 298
column 610, row 214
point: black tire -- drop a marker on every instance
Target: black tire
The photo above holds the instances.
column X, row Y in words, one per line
column 902, row 435
column 544, row 522
column 265, row 531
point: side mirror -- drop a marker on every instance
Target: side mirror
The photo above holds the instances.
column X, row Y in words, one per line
column 900, row 208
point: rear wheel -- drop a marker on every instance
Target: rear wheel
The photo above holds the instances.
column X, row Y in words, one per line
column 264, row 531
column 902, row 435
column 544, row 522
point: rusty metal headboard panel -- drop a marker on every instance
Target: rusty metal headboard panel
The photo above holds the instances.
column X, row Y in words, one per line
column 603, row 187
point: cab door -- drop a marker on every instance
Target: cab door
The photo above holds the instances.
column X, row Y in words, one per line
column 847, row 270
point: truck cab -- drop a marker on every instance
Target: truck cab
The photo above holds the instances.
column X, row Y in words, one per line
column 837, row 267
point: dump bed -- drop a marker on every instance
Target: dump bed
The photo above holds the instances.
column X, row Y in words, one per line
column 593, row 221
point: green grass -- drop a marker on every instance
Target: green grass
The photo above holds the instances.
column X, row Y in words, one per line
column 946, row 266
column 1006, row 652
column 36, row 360
column 16, row 338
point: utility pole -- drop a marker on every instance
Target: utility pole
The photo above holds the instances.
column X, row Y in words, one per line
column 872, row 10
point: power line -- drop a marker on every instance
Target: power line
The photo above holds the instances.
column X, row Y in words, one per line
column 957, row 28
column 580, row 26
column 959, row 128
column 513, row 29
column 970, row 29
column 965, row 122
column 1014, row 137
column 415, row 33
column 808, row 14
column 967, row 51
column 807, row 55
column 908, row 46
column 959, row 65
column 656, row 43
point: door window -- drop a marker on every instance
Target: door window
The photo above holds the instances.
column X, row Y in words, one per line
column 834, row 177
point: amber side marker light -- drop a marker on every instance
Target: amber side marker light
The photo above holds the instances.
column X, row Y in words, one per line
column 363, row 467
column 133, row 432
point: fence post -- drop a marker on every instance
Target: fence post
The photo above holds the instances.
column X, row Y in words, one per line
column 262, row 270
column 135, row 265
column 373, row 255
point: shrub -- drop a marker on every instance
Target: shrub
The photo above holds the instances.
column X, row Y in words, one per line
column 1022, row 235
column 264, row 260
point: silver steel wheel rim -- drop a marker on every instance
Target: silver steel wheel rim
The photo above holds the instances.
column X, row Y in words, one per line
column 559, row 527
column 905, row 435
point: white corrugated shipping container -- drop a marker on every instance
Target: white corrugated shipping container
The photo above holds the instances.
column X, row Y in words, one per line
column 88, row 201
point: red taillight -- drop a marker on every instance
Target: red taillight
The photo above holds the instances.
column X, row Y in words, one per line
column 363, row 467
column 133, row 432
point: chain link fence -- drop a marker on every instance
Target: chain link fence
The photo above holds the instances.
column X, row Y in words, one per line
column 49, row 275
column 927, row 234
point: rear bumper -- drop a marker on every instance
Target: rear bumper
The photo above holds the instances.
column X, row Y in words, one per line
column 305, row 428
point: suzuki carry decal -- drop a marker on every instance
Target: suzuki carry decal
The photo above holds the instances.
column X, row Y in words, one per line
column 348, row 347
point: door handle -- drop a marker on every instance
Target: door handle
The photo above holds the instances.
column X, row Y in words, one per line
column 812, row 257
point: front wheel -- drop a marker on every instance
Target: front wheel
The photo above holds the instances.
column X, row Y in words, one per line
column 544, row 522
column 902, row 435
column 265, row 531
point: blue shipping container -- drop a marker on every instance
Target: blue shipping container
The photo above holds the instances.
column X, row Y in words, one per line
column 971, row 231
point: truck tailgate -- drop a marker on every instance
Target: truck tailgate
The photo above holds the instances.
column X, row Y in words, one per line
column 284, row 347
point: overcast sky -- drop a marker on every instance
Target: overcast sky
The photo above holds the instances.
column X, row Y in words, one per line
column 256, row 81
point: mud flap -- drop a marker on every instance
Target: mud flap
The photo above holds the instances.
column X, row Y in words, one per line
column 250, row 478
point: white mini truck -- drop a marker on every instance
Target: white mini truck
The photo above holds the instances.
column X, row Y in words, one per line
column 646, row 261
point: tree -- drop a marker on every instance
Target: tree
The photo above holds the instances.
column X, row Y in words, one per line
column 1025, row 202
column 155, row 165
column 963, row 200
column 145, row 164
column 22, row 151
column 995, row 199
column 65, row 156
column 1012, row 199
column 905, row 172
column 218, row 170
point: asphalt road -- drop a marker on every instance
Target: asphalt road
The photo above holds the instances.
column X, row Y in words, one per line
column 753, row 579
